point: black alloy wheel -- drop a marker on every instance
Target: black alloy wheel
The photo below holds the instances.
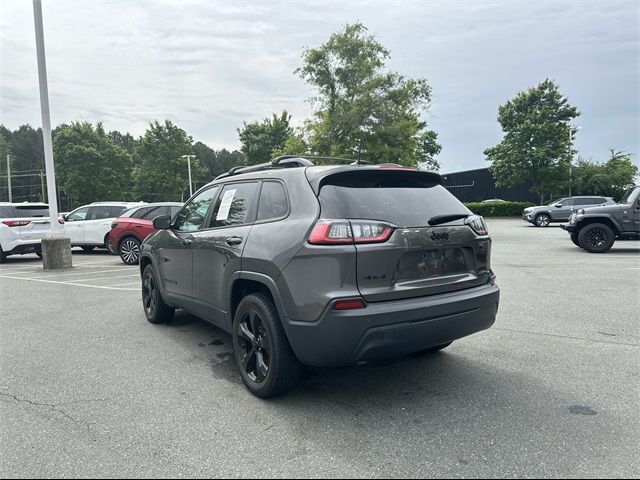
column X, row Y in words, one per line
column 262, row 353
column 596, row 238
column 155, row 309
column 252, row 342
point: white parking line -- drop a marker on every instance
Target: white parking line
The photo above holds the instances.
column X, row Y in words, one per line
column 74, row 284
column 101, row 278
column 73, row 273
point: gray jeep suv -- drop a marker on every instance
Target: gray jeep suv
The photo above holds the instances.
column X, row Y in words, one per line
column 596, row 229
column 322, row 265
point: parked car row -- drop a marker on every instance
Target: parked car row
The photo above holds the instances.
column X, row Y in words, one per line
column 561, row 210
column 119, row 226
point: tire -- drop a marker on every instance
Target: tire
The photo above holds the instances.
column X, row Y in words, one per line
column 542, row 220
column 3, row 256
column 88, row 249
column 596, row 237
column 153, row 305
column 129, row 250
column 258, row 337
column 574, row 239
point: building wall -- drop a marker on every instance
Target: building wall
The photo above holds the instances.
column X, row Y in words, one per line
column 478, row 185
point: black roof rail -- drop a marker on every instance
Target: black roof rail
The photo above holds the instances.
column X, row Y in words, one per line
column 350, row 161
column 289, row 161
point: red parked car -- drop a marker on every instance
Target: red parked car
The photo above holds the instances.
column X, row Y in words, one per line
column 130, row 229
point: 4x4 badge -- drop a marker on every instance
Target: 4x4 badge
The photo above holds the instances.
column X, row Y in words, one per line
column 439, row 236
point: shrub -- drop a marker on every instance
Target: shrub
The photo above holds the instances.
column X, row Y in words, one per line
column 498, row 209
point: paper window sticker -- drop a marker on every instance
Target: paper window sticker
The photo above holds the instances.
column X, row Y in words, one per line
column 225, row 205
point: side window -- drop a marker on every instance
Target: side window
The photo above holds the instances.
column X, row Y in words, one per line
column 193, row 215
column 98, row 213
column 80, row 214
column 156, row 212
column 568, row 202
column 174, row 211
column 117, row 211
column 234, row 205
column 273, row 201
column 600, row 200
column 140, row 213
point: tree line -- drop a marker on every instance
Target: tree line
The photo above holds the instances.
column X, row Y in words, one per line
column 361, row 110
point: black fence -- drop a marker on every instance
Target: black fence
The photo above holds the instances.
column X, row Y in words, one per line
column 478, row 185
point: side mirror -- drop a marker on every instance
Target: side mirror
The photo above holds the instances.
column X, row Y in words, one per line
column 65, row 218
column 558, row 205
column 196, row 220
column 163, row 222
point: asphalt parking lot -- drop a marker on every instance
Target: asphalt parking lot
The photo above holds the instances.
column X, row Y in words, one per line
column 89, row 388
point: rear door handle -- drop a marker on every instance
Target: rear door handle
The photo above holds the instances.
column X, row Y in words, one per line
column 234, row 241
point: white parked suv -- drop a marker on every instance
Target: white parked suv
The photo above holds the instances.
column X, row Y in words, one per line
column 88, row 226
column 22, row 226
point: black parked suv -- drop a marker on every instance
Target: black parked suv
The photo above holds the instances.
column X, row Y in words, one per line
column 322, row 265
column 595, row 229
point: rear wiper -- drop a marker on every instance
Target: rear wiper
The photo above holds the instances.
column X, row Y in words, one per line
column 440, row 219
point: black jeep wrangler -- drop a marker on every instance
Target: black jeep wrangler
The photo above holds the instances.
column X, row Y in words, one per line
column 596, row 228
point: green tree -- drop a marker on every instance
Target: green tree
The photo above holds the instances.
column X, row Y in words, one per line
column 363, row 111
column 610, row 178
column 125, row 140
column 535, row 146
column 89, row 166
column 294, row 145
column 217, row 162
column 260, row 139
column 160, row 173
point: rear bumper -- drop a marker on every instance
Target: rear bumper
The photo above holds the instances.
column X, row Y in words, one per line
column 387, row 329
column 21, row 248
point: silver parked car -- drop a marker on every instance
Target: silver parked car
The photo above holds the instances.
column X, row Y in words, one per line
column 561, row 210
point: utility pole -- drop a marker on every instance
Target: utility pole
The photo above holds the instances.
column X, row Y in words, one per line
column 570, row 155
column 189, row 157
column 56, row 249
column 9, row 177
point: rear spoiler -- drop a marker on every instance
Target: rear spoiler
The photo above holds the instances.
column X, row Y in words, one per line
column 365, row 176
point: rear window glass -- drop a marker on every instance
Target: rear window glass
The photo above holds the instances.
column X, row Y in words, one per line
column 31, row 211
column 409, row 205
column 6, row 212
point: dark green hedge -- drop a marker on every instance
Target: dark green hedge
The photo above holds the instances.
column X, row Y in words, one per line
column 498, row 209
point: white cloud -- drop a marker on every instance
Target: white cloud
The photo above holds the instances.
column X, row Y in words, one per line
column 209, row 66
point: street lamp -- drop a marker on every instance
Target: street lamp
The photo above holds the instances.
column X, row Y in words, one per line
column 570, row 156
column 189, row 157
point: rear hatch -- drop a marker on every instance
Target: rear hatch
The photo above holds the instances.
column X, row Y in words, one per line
column 37, row 217
column 417, row 258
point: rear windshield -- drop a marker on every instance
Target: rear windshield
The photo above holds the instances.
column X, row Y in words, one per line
column 409, row 205
column 31, row 211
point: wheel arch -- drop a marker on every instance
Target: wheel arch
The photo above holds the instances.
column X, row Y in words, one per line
column 246, row 283
column 604, row 220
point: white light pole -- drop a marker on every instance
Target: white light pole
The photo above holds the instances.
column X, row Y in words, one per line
column 56, row 249
column 189, row 157
column 56, row 228
column 570, row 155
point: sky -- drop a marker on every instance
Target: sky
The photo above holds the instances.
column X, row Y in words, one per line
column 208, row 66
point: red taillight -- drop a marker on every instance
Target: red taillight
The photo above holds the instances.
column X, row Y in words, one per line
column 476, row 222
column 350, row 304
column 342, row 232
column 16, row 223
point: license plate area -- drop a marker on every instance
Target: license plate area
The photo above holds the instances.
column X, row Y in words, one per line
column 438, row 262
